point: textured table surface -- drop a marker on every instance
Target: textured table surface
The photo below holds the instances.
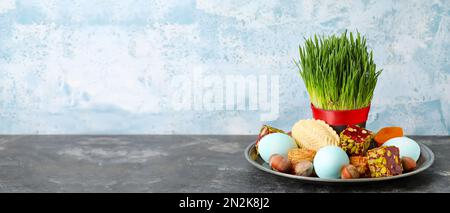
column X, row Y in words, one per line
column 171, row 164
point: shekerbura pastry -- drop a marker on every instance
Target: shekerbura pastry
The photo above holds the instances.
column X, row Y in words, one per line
column 314, row 134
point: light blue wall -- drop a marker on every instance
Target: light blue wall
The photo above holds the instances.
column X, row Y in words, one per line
column 107, row 66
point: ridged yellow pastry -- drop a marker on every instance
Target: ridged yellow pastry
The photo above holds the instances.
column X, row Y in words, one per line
column 314, row 134
column 298, row 154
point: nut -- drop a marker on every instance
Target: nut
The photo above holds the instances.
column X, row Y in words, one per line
column 280, row 163
column 303, row 168
column 408, row 164
column 349, row 172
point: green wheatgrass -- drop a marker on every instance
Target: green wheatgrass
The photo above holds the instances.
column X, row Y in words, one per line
column 338, row 71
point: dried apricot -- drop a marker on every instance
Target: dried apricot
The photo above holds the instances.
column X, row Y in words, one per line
column 387, row 133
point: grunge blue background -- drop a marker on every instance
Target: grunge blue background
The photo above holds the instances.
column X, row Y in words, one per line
column 104, row 66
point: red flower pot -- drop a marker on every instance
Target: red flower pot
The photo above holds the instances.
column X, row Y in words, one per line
column 339, row 119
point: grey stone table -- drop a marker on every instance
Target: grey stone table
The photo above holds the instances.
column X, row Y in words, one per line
column 171, row 164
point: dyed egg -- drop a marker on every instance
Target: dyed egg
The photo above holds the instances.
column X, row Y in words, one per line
column 329, row 161
column 407, row 146
column 275, row 143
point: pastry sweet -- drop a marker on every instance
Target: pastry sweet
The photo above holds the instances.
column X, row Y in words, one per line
column 300, row 154
column 355, row 140
column 314, row 134
column 360, row 162
column 384, row 161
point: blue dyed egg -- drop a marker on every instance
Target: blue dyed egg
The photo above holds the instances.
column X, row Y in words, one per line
column 275, row 143
column 407, row 146
column 328, row 162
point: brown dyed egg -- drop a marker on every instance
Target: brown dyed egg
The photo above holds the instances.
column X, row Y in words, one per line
column 280, row 163
column 349, row 172
column 303, row 168
column 408, row 164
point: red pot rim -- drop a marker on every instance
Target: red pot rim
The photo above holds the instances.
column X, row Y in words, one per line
column 341, row 117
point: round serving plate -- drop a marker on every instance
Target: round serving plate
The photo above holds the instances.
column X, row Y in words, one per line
column 426, row 159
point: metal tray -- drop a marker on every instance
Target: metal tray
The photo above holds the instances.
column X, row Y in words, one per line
column 426, row 159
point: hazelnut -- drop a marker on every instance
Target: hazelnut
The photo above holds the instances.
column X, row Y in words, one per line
column 303, row 168
column 280, row 163
column 408, row 164
column 349, row 172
